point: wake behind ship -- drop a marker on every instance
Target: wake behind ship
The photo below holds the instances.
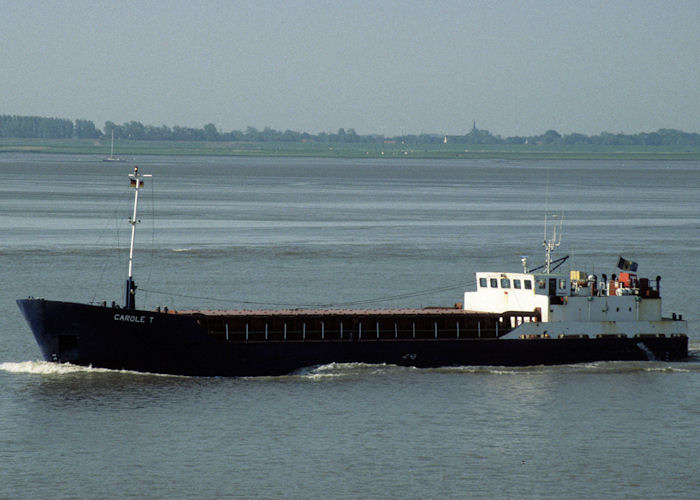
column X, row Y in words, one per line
column 531, row 317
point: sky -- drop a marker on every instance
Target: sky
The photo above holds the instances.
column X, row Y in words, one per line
column 376, row 66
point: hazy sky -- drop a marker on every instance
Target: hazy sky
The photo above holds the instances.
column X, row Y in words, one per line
column 516, row 67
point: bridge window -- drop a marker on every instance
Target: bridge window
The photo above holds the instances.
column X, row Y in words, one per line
column 516, row 284
column 483, row 282
column 494, row 282
column 541, row 284
column 528, row 285
column 505, row 283
column 562, row 284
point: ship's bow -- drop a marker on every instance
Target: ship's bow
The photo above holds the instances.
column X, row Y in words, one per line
column 34, row 311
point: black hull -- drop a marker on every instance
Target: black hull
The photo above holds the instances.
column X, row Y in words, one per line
column 157, row 342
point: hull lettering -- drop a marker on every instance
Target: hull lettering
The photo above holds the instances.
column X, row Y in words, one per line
column 129, row 318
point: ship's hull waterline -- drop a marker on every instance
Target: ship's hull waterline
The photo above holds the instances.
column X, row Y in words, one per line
column 217, row 344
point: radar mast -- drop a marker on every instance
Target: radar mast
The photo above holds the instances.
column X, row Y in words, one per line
column 552, row 243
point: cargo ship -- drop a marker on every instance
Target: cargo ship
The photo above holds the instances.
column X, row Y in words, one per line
column 531, row 317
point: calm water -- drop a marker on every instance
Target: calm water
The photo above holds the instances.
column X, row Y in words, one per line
column 278, row 232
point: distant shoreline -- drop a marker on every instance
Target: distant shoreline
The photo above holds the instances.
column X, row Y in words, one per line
column 128, row 149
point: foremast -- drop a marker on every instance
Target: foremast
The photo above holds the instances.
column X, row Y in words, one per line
column 136, row 181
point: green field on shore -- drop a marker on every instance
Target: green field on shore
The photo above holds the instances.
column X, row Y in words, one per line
column 130, row 149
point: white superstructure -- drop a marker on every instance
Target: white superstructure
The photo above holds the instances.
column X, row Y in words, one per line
column 575, row 303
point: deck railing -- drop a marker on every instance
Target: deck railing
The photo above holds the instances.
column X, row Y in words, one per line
column 349, row 329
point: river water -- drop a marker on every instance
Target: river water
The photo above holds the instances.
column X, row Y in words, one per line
column 252, row 233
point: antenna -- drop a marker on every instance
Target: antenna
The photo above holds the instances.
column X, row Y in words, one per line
column 546, row 206
column 136, row 181
column 552, row 243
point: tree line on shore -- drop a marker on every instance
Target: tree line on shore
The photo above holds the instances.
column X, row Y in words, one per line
column 13, row 126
